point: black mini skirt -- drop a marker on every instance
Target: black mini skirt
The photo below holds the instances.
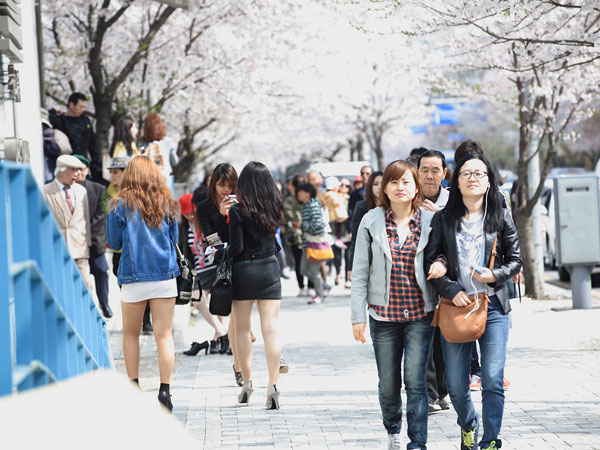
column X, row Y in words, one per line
column 256, row 279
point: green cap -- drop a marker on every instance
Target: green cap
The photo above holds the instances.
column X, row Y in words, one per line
column 83, row 159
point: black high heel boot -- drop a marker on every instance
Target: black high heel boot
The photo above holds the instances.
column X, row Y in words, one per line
column 215, row 346
column 224, row 340
column 165, row 399
column 196, row 347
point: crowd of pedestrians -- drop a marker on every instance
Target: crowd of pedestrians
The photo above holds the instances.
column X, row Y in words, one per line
column 400, row 239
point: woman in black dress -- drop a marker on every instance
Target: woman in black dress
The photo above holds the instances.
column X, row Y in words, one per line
column 252, row 248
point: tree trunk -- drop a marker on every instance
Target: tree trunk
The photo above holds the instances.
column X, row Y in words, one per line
column 523, row 210
column 533, row 284
column 103, row 109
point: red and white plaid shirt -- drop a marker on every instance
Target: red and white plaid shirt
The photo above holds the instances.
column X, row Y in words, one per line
column 406, row 299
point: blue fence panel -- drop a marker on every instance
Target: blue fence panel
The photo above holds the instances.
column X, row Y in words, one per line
column 50, row 328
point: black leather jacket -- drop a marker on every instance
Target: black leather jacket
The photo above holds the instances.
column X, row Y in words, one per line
column 442, row 241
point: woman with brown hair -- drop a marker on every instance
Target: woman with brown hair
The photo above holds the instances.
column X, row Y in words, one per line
column 142, row 221
column 213, row 214
column 389, row 286
column 154, row 144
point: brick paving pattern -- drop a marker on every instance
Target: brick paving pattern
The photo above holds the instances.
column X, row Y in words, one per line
column 329, row 397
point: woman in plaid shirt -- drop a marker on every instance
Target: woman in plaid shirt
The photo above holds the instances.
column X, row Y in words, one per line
column 388, row 279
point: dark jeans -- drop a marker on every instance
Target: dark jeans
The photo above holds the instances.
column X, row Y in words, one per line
column 297, row 252
column 436, row 369
column 99, row 268
column 337, row 258
column 475, row 367
column 493, row 356
column 391, row 340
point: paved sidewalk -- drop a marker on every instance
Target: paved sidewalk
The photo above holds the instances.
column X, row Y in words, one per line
column 329, row 398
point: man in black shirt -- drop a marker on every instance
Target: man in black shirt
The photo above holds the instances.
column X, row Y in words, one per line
column 98, row 264
column 78, row 127
column 359, row 194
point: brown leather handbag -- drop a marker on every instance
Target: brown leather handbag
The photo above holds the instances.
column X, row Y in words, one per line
column 467, row 323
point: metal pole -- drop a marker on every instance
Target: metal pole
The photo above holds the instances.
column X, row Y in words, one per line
column 533, row 175
column 40, row 51
column 581, row 285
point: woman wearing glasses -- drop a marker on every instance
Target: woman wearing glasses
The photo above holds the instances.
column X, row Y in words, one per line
column 461, row 242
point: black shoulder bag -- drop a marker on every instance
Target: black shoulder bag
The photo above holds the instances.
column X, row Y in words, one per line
column 221, row 294
column 186, row 280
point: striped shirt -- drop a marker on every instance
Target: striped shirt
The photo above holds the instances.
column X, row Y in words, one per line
column 312, row 219
column 406, row 299
column 198, row 246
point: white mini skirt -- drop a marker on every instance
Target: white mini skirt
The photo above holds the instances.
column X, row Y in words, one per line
column 145, row 290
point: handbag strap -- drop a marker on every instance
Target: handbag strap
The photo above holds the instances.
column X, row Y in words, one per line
column 493, row 258
column 178, row 251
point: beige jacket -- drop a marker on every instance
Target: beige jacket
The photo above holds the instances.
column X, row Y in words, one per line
column 75, row 228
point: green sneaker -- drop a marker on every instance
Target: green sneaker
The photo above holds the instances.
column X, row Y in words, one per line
column 492, row 446
column 468, row 438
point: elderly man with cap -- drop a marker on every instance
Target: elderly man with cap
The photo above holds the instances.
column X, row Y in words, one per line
column 68, row 201
column 98, row 264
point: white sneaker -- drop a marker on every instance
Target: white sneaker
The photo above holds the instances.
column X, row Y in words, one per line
column 394, row 441
column 315, row 299
column 302, row 292
column 475, row 384
column 348, row 284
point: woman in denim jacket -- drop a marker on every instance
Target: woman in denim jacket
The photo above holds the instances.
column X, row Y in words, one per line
column 388, row 278
column 142, row 223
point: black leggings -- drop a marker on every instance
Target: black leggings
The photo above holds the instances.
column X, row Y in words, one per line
column 297, row 252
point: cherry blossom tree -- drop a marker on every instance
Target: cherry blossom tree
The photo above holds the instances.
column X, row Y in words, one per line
column 538, row 57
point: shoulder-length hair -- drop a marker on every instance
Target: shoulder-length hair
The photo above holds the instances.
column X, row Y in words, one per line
column 455, row 208
column 224, row 172
column 371, row 201
column 259, row 197
column 143, row 188
column 123, row 134
column 395, row 171
column 153, row 128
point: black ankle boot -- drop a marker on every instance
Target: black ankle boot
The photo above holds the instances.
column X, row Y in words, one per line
column 196, row 347
column 164, row 397
column 224, row 344
column 215, row 346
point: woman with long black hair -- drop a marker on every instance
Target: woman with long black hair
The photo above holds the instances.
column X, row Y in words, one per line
column 123, row 143
column 255, row 270
column 460, row 250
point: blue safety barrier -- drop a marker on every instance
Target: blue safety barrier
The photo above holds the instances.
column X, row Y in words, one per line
column 50, row 328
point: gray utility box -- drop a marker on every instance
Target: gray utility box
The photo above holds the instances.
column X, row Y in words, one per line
column 577, row 217
column 577, row 206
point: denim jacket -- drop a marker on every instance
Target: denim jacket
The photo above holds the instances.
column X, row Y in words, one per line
column 148, row 253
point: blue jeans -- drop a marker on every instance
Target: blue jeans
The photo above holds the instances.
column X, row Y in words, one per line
column 493, row 356
column 390, row 341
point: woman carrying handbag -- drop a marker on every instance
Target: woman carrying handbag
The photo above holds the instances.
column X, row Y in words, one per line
column 462, row 241
column 315, row 241
column 255, row 273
